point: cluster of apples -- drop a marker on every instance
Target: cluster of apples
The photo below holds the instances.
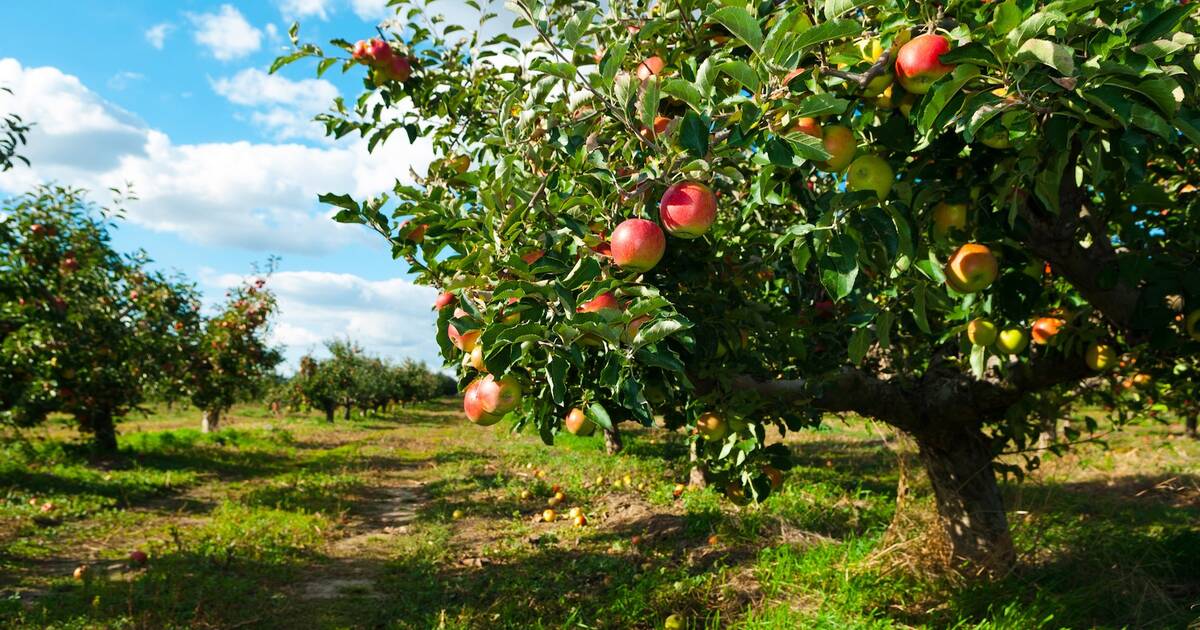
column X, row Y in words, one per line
column 687, row 210
column 385, row 64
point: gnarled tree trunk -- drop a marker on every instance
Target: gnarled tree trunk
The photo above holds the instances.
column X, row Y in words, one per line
column 612, row 441
column 969, row 503
column 696, row 478
column 210, row 421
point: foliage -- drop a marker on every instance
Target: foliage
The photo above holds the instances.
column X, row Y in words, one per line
column 84, row 330
column 350, row 378
column 13, row 132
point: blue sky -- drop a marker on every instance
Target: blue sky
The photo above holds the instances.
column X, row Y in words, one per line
column 173, row 97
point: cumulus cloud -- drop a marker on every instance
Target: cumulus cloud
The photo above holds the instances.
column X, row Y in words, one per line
column 296, row 9
column 157, row 34
column 284, row 108
column 226, row 34
column 392, row 317
column 256, row 196
column 370, row 9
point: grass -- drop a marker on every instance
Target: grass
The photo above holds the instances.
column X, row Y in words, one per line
column 292, row 522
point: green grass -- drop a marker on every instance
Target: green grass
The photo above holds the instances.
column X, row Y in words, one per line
column 282, row 523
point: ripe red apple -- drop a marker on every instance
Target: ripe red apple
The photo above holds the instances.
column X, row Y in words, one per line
column 1044, row 328
column 443, row 300
column 650, row 67
column 971, row 269
column 378, row 50
column 712, row 426
column 398, row 68
column 578, row 424
column 809, row 126
column 133, row 295
column 532, row 256
column 638, row 245
column 473, row 407
column 464, row 341
column 69, row 264
column 37, row 229
column 841, row 144
column 605, row 302
column 138, row 558
column 498, row 396
column 918, row 64
column 947, row 216
column 687, row 209
column 359, row 52
column 871, row 172
column 417, row 234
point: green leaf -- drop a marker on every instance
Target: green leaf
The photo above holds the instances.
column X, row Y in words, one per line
column 919, row 299
column 1006, row 16
column 973, row 53
column 940, row 96
column 648, row 105
column 978, row 360
column 741, row 72
column 824, row 32
column 598, row 414
column 860, row 342
column 820, row 105
column 657, row 331
column 613, row 61
column 706, row 77
column 808, row 147
column 1033, row 26
column 559, row 69
column 780, row 33
column 883, row 327
column 693, row 135
column 741, row 24
column 835, row 8
column 556, row 378
column 1049, row 180
column 839, row 265
column 1049, row 53
column 683, row 91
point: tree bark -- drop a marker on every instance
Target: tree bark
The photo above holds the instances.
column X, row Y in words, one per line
column 329, row 414
column 612, row 441
column 1190, row 425
column 103, row 429
column 210, row 421
column 346, row 413
column 969, row 503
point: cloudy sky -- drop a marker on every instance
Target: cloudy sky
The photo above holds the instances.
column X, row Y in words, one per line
column 173, row 99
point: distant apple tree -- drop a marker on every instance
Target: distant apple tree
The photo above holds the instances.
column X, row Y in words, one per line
column 846, row 187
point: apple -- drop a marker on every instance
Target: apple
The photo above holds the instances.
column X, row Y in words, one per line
column 459, row 163
column 1141, row 380
column 809, row 126
column 906, row 104
column 712, row 426
column 525, row 494
column 37, row 229
column 678, row 490
column 994, row 136
column 69, row 264
column 138, row 558
column 918, row 64
column 687, row 209
column 947, row 216
column 359, row 52
column 604, row 303
column 417, row 234
column 498, row 396
column 774, row 475
column 871, row 172
column 659, row 128
column 549, row 516
column 398, row 68
column 443, row 300
column 1100, row 357
column 1044, row 328
column 579, row 520
column 1011, row 340
column 1191, row 325
column 886, row 98
column 477, row 358
column 673, row 622
column 650, row 67
column 464, row 341
column 971, row 269
column 133, row 295
column 457, row 515
column 80, row 572
column 473, row 407
column 638, row 245
column 981, row 331
column 841, row 144
column 578, row 424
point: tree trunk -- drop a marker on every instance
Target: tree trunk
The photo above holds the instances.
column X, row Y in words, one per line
column 346, row 413
column 103, row 429
column 1049, row 433
column 959, row 465
column 612, row 441
column 329, row 414
column 210, row 421
column 696, row 478
column 1191, row 425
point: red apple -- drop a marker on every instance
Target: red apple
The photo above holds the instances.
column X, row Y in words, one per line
column 464, row 341
column 417, row 234
column 947, row 216
column 398, row 68
column 138, row 558
column 498, row 396
column 971, row 269
column 638, row 245
column 578, row 424
column 378, row 50
column 443, row 300
column 841, row 144
column 918, row 64
column 532, row 256
column 601, row 303
column 359, row 52
column 473, row 407
column 809, row 126
column 650, row 67
column 687, row 209
column 1044, row 328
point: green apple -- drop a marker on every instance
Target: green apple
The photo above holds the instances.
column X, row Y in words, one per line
column 1012, row 340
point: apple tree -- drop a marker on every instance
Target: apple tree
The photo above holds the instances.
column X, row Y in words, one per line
column 84, row 330
column 739, row 216
column 232, row 356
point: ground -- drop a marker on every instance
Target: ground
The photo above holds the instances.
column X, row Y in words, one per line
column 294, row 523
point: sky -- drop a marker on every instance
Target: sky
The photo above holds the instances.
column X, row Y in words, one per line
column 174, row 100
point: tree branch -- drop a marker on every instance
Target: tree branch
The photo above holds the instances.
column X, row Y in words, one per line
column 880, row 66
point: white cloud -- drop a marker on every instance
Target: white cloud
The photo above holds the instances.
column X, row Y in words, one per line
column 123, row 79
column 393, row 318
column 284, row 108
column 296, row 9
column 256, row 196
column 157, row 34
column 370, row 9
column 226, row 34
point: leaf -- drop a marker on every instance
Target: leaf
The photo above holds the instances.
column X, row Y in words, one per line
column 693, row 135
column 973, row 53
column 648, row 105
column 683, row 91
column 940, row 96
column 741, row 24
column 824, row 32
column 1034, row 25
column 883, row 328
column 780, row 33
column 741, row 72
column 559, row 69
column 706, row 77
column 657, row 331
column 613, row 61
column 341, row 201
column 978, row 360
column 839, row 265
column 1049, row 180
column 860, row 342
column 1049, row 53
column 919, row 299
column 835, row 8
column 598, row 414
column 820, row 105
column 1006, row 17
column 808, row 147
column 556, row 378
